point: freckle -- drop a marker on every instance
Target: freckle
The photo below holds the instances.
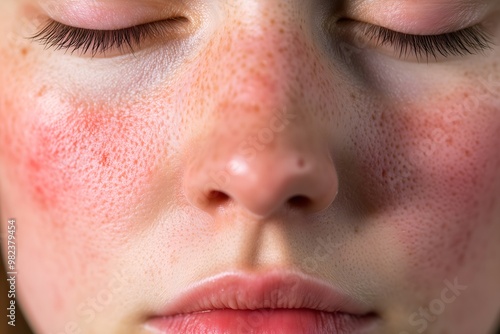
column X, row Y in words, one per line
column 24, row 52
column 254, row 109
column 42, row 91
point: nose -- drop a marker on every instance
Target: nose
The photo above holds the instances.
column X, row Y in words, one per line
column 262, row 183
column 262, row 148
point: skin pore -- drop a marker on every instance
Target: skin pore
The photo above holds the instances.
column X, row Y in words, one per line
column 243, row 138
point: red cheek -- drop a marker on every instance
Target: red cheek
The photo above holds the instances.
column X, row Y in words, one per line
column 95, row 162
column 453, row 180
column 432, row 169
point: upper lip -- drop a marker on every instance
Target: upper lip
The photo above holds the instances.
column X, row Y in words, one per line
column 272, row 290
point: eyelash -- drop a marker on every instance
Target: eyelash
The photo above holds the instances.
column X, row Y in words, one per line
column 62, row 37
column 56, row 35
column 468, row 41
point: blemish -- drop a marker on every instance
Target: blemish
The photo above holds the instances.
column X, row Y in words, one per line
column 42, row 91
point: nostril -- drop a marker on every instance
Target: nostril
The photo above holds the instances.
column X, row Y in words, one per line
column 299, row 201
column 217, row 197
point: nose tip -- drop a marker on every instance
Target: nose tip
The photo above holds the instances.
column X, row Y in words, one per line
column 264, row 185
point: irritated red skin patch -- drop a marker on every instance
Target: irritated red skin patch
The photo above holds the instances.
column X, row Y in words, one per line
column 86, row 172
column 439, row 180
column 91, row 161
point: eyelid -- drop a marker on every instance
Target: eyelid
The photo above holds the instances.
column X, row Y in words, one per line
column 420, row 17
column 111, row 15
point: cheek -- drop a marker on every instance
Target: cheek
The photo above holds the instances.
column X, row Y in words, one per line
column 442, row 181
column 85, row 177
column 83, row 169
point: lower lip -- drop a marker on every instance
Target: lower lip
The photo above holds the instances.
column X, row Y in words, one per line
column 262, row 321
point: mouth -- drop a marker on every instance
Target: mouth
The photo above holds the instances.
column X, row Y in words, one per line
column 274, row 302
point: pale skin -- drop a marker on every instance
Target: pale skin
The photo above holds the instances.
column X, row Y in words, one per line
column 307, row 137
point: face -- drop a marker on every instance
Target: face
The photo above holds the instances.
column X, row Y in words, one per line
column 235, row 158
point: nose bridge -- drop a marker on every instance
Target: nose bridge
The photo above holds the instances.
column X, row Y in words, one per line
column 261, row 59
column 256, row 82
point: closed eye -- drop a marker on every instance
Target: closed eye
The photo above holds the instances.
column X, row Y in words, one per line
column 464, row 42
column 95, row 42
column 468, row 41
